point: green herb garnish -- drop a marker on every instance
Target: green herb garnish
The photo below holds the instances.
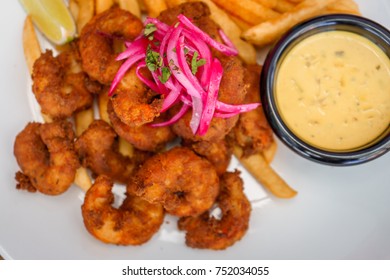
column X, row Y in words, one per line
column 195, row 63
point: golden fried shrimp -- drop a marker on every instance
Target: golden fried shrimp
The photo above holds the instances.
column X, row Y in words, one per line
column 252, row 131
column 97, row 148
column 185, row 184
column 232, row 89
column 142, row 137
column 133, row 102
column 59, row 84
column 96, row 46
column 208, row 232
column 218, row 153
column 134, row 223
column 46, row 155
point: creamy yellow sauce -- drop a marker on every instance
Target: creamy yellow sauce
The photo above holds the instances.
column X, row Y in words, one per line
column 333, row 90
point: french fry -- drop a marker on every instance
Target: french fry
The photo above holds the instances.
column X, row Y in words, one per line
column 74, row 8
column 103, row 5
column 283, row 6
column 82, row 120
column 247, row 10
column 125, row 148
column 246, row 51
column 31, row 46
column 263, row 172
column 141, row 5
column 344, row 7
column 243, row 25
column 267, row 3
column 269, row 31
column 130, row 5
column 102, row 105
column 86, row 10
column 269, row 153
column 82, row 179
column 155, row 7
column 296, row 1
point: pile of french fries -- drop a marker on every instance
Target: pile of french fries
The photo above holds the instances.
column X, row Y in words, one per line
column 249, row 24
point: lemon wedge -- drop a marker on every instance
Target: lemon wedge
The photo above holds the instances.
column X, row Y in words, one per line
column 52, row 18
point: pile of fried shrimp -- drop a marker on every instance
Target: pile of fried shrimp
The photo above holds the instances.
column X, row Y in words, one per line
column 167, row 170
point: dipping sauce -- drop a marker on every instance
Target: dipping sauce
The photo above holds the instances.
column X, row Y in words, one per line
column 333, row 91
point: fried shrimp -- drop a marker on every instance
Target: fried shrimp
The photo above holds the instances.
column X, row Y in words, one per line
column 59, row 84
column 218, row 153
column 134, row 223
column 252, row 131
column 185, row 184
column 96, row 42
column 142, row 137
column 97, row 148
column 133, row 102
column 46, row 157
column 232, row 89
column 208, row 232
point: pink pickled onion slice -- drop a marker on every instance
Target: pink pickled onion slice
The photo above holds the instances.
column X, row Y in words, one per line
column 216, row 45
column 123, row 69
column 146, row 81
column 212, row 95
column 175, row 118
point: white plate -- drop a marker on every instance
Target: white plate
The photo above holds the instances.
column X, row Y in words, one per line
column 339, row 213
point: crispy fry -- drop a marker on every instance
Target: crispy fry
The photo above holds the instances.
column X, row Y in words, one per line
column 343, row 6
column 246, row 51
column 267, row 3
column 263, row 172
column 240, row 23
column 86, row 10
column 32, row 50
column 269, row 153
column 155, row 7
column 83, row 119
column 130, row 5
column 247, row 10
column 125, row 148
column 141, row 5
column 102, row 105
column 82, row 179
column 102, row 5
column 283, row 6
column 269, row 31
column 74, row 8
column 31, row 46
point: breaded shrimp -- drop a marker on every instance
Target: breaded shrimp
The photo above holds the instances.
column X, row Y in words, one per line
column 97, row 148
column 218, row 153
column 252, row 132
column 134, row 223
column 133, row 102
column 231, row 91
column 142, row 137
column 185, row 184
column 96, row 48
column 59, row 84
column 46, row 157
column 207, row 232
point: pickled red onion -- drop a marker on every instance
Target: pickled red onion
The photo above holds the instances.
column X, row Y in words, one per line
column 171, row 53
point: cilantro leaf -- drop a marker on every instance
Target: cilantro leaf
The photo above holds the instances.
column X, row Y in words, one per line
column 195, row 63
column 150, row 28
column 152, row 59
column 165, row 74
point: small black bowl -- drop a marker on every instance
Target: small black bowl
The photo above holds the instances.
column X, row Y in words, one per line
column 359, row 25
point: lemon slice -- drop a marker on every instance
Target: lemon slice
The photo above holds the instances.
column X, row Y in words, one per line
column 52, row 18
